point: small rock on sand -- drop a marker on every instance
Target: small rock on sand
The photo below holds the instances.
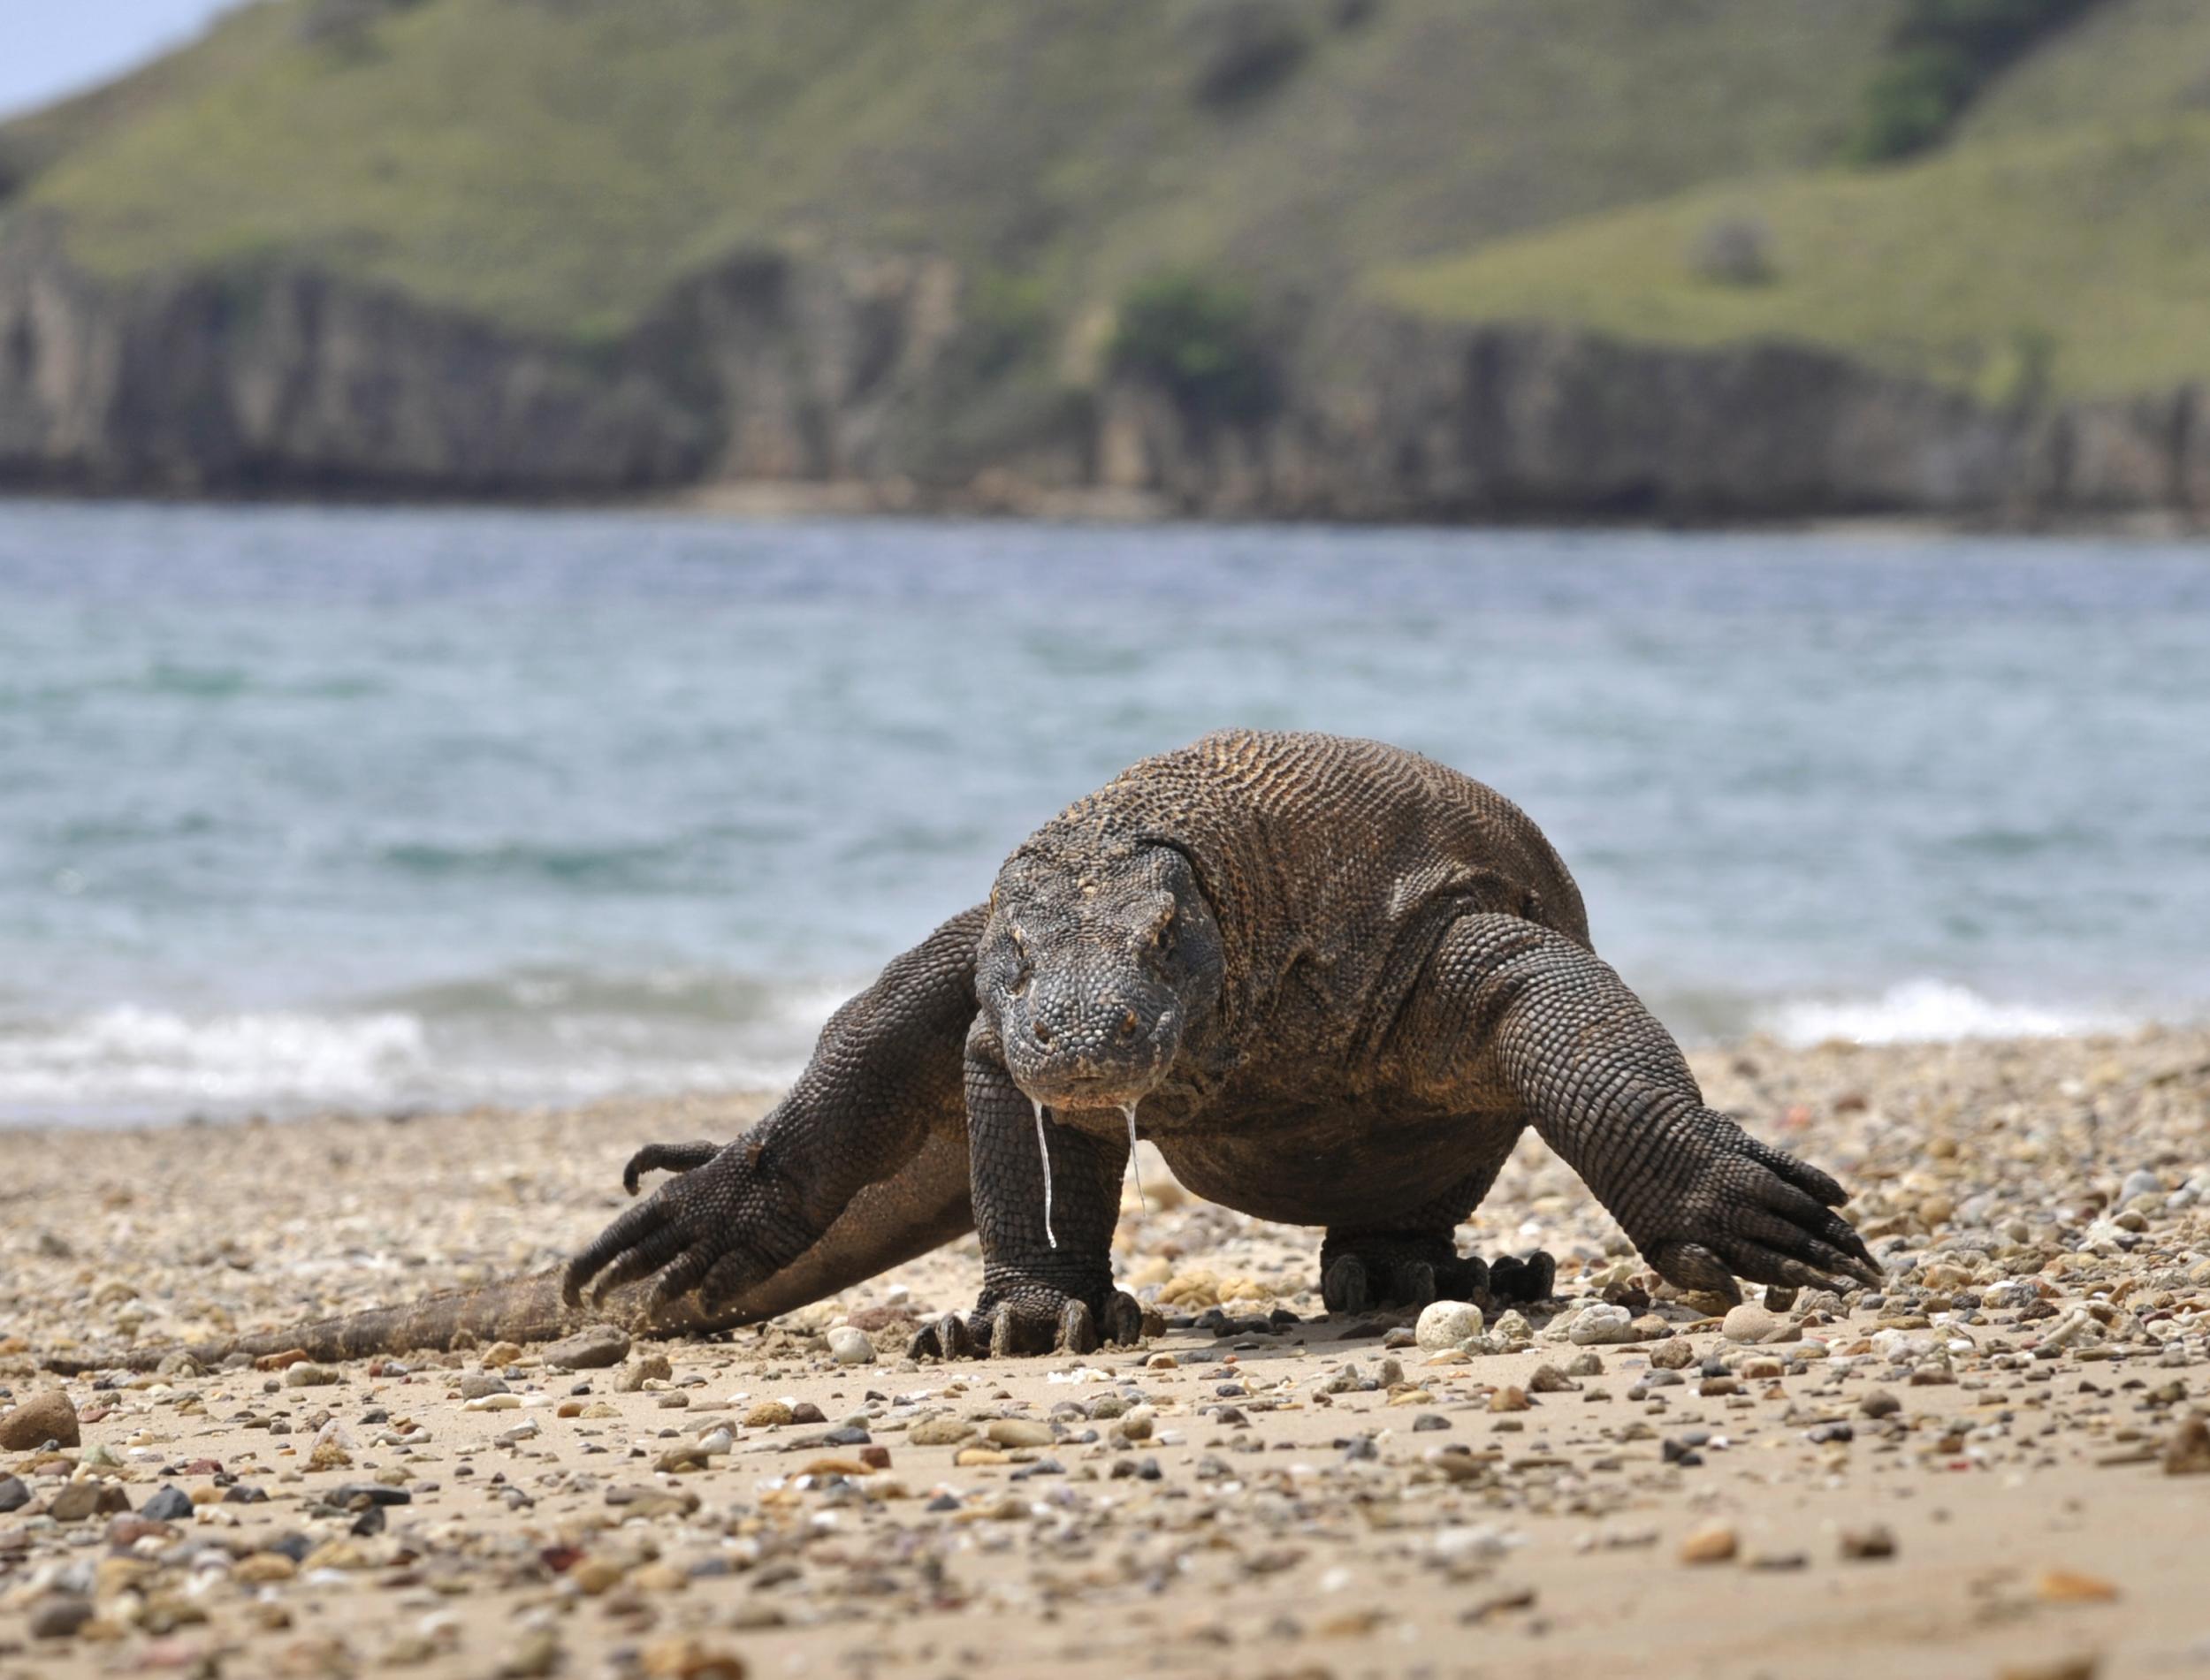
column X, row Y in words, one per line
column 591, row 1348
column 1709, row 1543
column 1748, row 1323
column 646, row 1367
column 1444, row 1324
column 1874, row 1540
column 60, row 1615
column 939, row 1432
column 2188, row 1452
column 850, row 1346
column 1602, row 1325
column 42, row 1418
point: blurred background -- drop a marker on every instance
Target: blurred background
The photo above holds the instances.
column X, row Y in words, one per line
column 546, row 538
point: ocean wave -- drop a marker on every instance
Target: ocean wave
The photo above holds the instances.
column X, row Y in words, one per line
column 529, row 1037
column 1923, row 1011
column 130, row 1055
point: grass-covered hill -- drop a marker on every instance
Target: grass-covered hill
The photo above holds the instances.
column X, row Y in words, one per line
column 557, row 164
column 2055, row 243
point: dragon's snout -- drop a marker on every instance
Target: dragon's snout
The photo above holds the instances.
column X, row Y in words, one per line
column 1100, row 1051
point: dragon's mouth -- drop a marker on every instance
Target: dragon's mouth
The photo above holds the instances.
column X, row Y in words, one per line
column 1094, row 1088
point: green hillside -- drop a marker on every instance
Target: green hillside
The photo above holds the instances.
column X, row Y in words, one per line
column 558, row 163
column 2074, row 264
column 2058, row 244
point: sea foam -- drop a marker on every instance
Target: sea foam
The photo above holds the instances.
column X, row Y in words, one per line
column 1922, row 1011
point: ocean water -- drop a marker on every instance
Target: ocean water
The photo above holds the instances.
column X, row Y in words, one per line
column 387, row 809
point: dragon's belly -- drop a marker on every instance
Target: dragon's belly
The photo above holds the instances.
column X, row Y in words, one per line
column 1347, row 1166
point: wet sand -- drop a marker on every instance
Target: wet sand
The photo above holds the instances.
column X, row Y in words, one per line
column 1992, row 1470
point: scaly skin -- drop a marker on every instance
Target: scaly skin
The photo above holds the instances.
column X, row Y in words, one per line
column 1320, row 971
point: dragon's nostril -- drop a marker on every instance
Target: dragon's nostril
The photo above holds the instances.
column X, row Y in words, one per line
column 1042, row 1030
column 1128, row 1024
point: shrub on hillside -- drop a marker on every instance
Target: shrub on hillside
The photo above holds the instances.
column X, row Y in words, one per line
column 1200, row 339
column 1245, row 48
column 1733, row 250
column 1942, row 54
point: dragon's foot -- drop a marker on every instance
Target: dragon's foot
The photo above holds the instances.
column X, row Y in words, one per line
column 1360, row 1278
column 1363, row 1273
column 1520, row 1279
column 1032, row 1319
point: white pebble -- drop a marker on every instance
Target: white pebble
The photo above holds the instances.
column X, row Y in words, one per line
column 1444, row 1324
column 1601, row 1324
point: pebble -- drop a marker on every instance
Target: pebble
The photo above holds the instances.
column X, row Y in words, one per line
column 1749, row 1322
column 169, row 1504
column 1873, row 1540
column 939, row 1432
column 687, row 1657
column 85, row 1499
column 2186, row 1454
column 2066, row 1668
column 593, row 1349
column 14, row 1495
column 1709, row 1543
column 1018, row 1432
column 44, row 1417
column 850, row 1346
column 59, row 1616
column 306, row 1375
column 1444, row 1324
column 642, row 1369
column 769, row 1414
column 1601, row 1324
column 2069, row 1586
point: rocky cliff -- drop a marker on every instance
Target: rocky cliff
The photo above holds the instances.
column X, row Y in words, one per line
column 867, row 373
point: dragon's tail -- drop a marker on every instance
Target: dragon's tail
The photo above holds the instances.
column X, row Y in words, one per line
column 516, row 1309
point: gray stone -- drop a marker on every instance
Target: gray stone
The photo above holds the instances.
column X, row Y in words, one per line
column 1602, row 1325
column 59, row 1616
column 591, row 1348
column 169, row 1504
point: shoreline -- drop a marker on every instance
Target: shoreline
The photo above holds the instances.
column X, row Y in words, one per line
column 797, row 501
column 2046, row 1337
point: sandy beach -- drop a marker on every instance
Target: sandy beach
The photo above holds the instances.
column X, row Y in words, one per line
column 1993, row 1468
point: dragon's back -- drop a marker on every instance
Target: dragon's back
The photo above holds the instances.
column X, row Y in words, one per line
column 1332, row 864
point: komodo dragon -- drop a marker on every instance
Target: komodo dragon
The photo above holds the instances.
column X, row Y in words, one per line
column 1333, row 980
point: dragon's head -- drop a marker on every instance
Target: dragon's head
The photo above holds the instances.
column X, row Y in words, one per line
column 1095, row 969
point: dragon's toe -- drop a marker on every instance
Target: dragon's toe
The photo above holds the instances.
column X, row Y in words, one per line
column 1343, row 1286
column 1523, row 1278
